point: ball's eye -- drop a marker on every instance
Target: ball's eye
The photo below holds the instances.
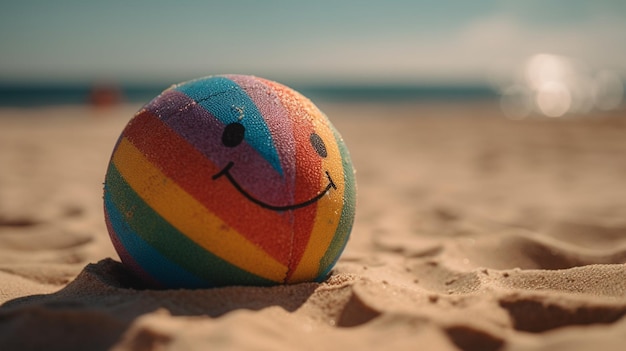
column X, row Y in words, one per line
column 318, row 145
column 233, row 134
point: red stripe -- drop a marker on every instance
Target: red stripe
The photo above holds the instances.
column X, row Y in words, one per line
column 192, row 171
column 308, row 168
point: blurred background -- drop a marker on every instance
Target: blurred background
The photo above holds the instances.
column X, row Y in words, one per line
column 549, row 58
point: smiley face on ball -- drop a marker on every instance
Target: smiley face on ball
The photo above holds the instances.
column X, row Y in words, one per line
column 229, row 180
column 234, row 134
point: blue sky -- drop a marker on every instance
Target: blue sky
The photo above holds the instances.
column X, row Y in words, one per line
column 323, row 40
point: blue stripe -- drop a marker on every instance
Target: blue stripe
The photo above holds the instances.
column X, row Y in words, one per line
column 225, row 100
column 160, row 268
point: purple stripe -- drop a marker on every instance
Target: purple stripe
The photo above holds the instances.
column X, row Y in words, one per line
column 278, row 121
column 202, row 130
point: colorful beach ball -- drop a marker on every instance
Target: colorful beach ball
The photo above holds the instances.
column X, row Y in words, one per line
column 229, row 180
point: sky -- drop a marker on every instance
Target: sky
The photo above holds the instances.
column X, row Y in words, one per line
column 395, row 41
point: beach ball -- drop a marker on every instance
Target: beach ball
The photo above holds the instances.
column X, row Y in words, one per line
column 229, row 180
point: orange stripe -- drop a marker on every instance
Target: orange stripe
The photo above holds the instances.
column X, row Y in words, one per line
column 328, row 208
column 303, row 115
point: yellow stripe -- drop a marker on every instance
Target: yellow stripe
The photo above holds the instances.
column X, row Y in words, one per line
column 328, row 208
column 190, row 217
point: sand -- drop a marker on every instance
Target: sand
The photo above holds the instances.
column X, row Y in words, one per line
column 473, row 232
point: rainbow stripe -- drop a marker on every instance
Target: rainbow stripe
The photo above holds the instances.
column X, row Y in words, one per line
column 177, row 222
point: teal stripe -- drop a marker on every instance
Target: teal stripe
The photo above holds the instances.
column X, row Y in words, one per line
column 340, row 239
column 229, row 103
column 170, row 242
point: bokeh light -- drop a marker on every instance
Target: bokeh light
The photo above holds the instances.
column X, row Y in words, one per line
column 555, row 86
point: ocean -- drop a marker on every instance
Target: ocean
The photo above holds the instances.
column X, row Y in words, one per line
column 37, row 95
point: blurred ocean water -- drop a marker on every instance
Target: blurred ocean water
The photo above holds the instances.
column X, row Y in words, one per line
column 37, row 95
column 546, row 95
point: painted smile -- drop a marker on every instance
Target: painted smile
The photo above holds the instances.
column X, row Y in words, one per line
column 226, row 172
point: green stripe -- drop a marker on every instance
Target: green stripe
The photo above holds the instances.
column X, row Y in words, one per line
column 170, row 242
column 340, row 239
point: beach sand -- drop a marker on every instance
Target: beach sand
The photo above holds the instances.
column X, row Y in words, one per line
column 473, row 232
